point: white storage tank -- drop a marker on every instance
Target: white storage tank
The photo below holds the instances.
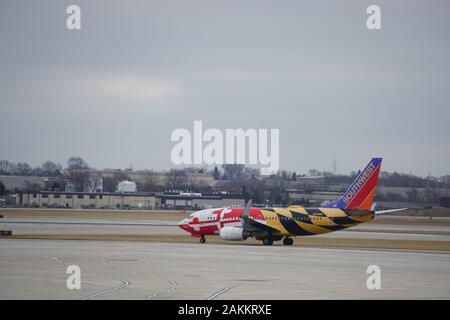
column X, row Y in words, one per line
column 126, row 187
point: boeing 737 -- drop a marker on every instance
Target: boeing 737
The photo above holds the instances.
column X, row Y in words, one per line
column 273, row 224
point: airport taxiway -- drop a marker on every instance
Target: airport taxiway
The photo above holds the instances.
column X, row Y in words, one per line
column 55, row 226
column 36, row 269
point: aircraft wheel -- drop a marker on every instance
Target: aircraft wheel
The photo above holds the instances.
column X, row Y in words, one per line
column 267, row 242
column 288, row 241
column 202, row 239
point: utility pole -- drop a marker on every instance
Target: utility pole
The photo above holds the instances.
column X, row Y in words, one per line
column 413, row 197
column 429, row 186
column 410, row 179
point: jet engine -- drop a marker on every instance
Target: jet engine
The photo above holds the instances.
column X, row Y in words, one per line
column 233, row 233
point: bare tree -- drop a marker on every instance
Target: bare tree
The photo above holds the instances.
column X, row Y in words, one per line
column 175, row 179
column 23, row 169
column 232, row 171
column 5, row 167
column 92, row 182
column 76, row 163
column 283, row 179
column 149, row 177
column 51, row 169
column 77, row 172
column 278, row 185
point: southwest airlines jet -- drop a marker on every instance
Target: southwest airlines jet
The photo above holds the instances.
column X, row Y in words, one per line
column 273, row 224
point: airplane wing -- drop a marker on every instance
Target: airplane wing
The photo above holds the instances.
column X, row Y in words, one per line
column 253, row 225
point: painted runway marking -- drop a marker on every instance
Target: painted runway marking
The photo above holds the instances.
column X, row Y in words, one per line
column 59, row 260
column 215, row 295
column 107, row 264
column 152, row 265
column 124, row 284
column 174, row 285
column 56, row 259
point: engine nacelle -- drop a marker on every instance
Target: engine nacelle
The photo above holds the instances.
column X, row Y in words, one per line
column 233, row 233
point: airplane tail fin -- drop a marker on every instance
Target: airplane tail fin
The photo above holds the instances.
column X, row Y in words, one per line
column 362, row 191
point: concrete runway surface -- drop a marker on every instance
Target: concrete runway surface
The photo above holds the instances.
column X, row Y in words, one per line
column 36, row 269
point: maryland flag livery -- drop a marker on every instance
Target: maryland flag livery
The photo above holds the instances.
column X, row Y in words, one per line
column 274, row 224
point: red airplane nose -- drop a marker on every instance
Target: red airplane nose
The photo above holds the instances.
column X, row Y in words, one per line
column 184, row 224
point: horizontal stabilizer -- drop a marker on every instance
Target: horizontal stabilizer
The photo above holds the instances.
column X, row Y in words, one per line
column 389, row 211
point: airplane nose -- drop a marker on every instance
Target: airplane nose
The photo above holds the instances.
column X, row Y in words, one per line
column 183, row 224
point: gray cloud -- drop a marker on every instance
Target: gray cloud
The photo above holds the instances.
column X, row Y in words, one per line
column 114, row 91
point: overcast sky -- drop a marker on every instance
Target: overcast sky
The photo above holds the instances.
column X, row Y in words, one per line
column 114, row 91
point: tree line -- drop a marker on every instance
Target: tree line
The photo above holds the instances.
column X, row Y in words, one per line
column 229, row 178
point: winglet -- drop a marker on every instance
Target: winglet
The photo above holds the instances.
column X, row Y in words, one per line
column 246, row 212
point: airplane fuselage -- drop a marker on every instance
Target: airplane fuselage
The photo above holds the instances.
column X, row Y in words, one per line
column 273, row 223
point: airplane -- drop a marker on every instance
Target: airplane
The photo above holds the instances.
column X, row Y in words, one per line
column 273, row 224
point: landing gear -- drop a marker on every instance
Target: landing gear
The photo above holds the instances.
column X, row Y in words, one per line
column 267, row 242
column 202, row 238
column 288, row 241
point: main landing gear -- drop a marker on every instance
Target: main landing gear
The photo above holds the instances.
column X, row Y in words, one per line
column 202, row 238
column 288, row 241
column 267, row 242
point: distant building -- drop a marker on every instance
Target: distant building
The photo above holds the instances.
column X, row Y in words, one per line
column 55, row 184
column 88, row 200
column 315, row 197
column 445, row 202
column 49, row 199
column 70, row 187
column 197, row 202
column 19, row 182
column 126, row 187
